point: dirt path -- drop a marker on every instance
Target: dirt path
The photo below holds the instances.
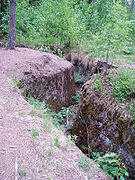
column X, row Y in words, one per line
column 20, row 156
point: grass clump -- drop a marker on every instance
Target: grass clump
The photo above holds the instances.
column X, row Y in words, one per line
column 98, row 84
column 51, row 123
column 56, row 142
column 84, row 163
column 37, row 105
column 124, row 85
column 22, row 171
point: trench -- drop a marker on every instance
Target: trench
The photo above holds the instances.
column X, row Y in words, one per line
column 126, row 158
column 66, row 118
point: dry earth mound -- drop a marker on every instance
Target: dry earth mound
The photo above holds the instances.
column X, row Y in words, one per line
column 21, row 155
column 50, row 79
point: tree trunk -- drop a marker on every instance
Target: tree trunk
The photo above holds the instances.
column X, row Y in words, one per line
column 132, row 7
column 12, row 26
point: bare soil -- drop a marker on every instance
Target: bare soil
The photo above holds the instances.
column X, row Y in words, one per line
column 20, row 156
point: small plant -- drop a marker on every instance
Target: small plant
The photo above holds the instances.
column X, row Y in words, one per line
column 78, row 78
column 84, row 163
column 43, row 150
column 74, row 138
column 16, row 81
column 60, row 53
column 124, row 85
column 88, row 77
column 49, row 177
column 69, row 126
column 35, row 134
column 56, row 142
column 71, row 139
column 38, row 105
column 51, row 151
column 111, row 164
column 132, row 108
column 76, row 98
column 33, row 113
column 58, row 118
column 22, row 171
column 84, row 148
column 46, row 49
column 98, row 84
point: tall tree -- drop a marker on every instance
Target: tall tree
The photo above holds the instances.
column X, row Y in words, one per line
column 12, row 25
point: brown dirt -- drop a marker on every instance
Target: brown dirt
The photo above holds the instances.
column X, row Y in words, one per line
column 20, row 157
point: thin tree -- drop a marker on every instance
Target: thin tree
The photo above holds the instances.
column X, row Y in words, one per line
column 12, row 26
column 132, row 7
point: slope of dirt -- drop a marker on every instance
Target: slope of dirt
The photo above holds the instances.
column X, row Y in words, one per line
column 20, row 156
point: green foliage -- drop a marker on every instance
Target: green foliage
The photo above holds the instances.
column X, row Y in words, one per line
column 72, row 139
column 35, row 133
column 78, row 78
column 95, row 14
column 124, row 85
column 69, row 125
column 56, row 142
column 3, row 25
column 51, row 152
column 84, row 148
column 62, row 114
column 102, row 27
column 76, row 98
column 37, row 104
column 132, row 108
column 84, row 163
column 129, row 59
column 59, row 118
column 47, row 22
column 113, row 35
column 98, row 84
column 22, row 171
column 111, row 164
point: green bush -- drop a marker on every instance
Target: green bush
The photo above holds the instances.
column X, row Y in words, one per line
column 113, row 35
column 111, row 164
column 47, row 22
column 101, row 27
column 124, row 85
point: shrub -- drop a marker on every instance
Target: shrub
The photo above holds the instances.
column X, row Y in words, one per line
column 111, row 164
column 113, row 35
column 124, row 85
column 47, row 22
